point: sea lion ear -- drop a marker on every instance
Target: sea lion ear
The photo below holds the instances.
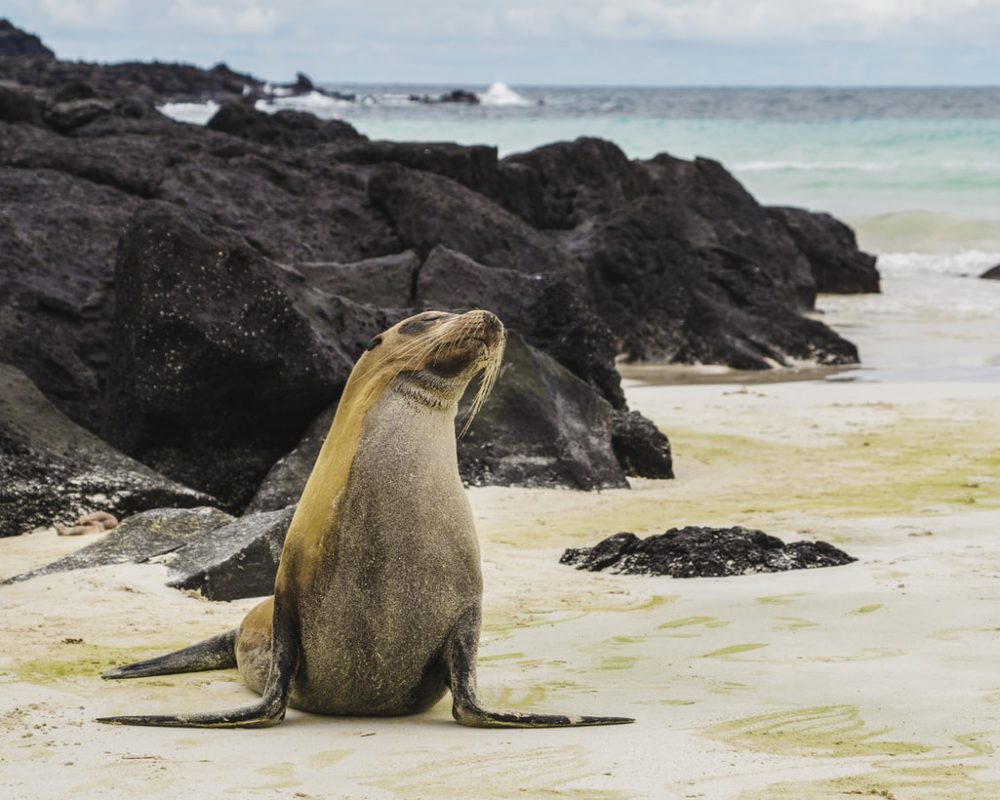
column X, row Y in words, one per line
column 375, row 342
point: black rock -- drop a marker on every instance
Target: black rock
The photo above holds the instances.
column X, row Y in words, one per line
column 459, row 96
column 284, row 482
column 542, row 426
column 385, row 281
column 220, row 358
column 285, row 128
column 576, row 180
column 138, row 539
column 696, row 552
column 51, row 470
column 423, row 209
column 15, row 42
column 548, row 310
column 640, row 447
column 832, row 250
column 992, row 274
column 239, row 559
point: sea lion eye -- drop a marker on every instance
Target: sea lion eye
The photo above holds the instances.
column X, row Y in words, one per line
column 375, row 342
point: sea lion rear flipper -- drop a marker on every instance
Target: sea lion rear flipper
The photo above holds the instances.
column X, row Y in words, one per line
column 268, row 711
column 219, row 652
column 461, row 662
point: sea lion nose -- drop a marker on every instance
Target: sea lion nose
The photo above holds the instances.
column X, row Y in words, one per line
column 491, row 322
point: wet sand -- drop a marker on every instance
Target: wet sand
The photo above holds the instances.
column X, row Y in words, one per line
column 877, row 679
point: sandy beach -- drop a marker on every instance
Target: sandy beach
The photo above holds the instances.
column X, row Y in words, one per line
column 877, row 679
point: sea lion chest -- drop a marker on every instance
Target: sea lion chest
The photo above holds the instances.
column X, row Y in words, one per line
column 403, row 568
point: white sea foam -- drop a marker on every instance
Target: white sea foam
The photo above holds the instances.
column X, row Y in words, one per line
column 966, row 262
column 314, row 102
column 500, row 94
column 194, row 113
column 810, row 166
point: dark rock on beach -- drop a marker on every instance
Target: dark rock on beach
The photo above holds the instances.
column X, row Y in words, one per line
column 236, row 560
column 138, row 539
column 205, row 550
column 198, row 295
column 541, row 427
column 992, row 274
column 218, row 356
column 696, row 552
column 832, row 251
column 51, row 470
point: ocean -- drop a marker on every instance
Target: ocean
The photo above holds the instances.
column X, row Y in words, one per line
column 915, row 171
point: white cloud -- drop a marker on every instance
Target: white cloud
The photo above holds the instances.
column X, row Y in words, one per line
column 726, row 21
column 248, row 18
column 83, row 13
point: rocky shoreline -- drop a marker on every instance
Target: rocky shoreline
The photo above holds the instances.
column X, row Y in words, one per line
column 195, row 296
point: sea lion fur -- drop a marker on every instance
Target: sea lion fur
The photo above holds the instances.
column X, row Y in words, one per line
column 377, row 601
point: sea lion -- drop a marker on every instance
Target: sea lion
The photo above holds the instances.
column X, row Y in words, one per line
column 98, row 522
column 377, row 599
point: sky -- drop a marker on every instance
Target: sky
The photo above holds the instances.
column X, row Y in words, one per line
column 542, row 42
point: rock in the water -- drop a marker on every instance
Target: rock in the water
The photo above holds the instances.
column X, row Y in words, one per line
column 992, row 274
column 285, row 128
column 138, row 539
column 51, row 470
column 239, row 559
column 832, row 250
column 542, row 426
column 695, row 552
column 220, row 359
column 15, row 42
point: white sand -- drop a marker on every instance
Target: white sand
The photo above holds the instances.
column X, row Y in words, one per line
column 879, row 679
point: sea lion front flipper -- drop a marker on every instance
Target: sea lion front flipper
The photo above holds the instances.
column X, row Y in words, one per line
column 461, row 662
column 268, row 711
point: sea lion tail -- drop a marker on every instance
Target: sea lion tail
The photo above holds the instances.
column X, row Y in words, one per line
column 219, row 652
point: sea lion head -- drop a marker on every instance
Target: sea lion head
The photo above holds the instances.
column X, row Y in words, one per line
column 432, row 357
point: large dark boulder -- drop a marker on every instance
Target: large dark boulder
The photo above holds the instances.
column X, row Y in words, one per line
column 832, row 250
column 426, row 210
column 384, row 281
column 576, row 181
column 285, row 128
column 239, row 559
column 15, row 42
column 473, row 166
column 670, row 291
column 138, row 539
column 220, row 359
column 548, row 310
column 284, row 482
column 696, row 552
column 542, row 426
column 992, row 274
column 51, row 470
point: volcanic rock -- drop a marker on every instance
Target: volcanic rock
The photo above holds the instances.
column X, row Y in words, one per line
column 51, row 470
column 696, row 552
column 832, row 250
column 284, row 128
column 138, row 539
column 239, row 559
column 220, row 359
column 992, row 274
column 542, row 426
